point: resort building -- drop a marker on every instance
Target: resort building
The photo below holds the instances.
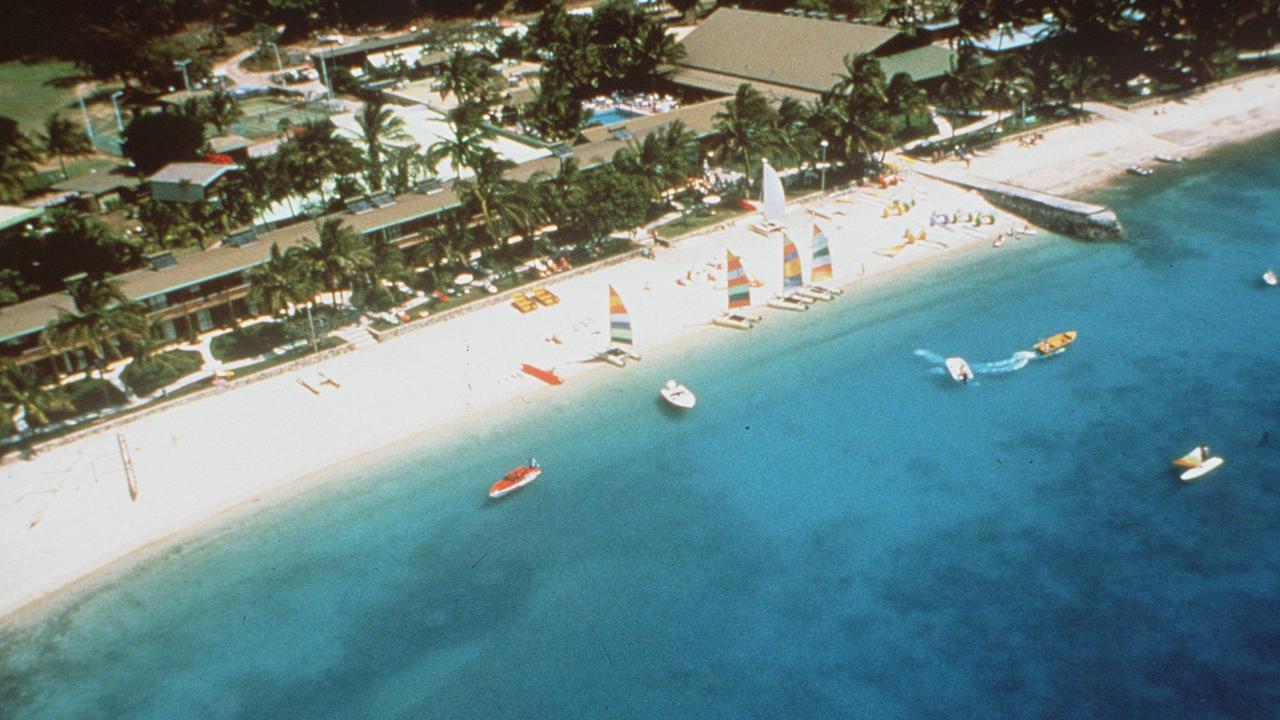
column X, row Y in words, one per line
column 188, row 182
column 101, row 191
column 193, row 291
column 798, row 57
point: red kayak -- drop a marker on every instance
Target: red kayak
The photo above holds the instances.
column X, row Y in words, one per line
column 547, row 376
column 516, row 479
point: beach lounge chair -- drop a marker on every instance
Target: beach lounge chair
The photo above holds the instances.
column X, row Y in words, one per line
column 545, row 296
column 523, row 303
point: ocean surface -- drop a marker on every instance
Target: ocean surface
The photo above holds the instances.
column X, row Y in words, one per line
column 836, row 531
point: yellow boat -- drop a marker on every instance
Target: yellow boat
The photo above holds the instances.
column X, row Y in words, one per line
column 1053, row 344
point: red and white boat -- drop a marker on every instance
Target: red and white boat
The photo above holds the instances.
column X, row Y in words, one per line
column 516, row 479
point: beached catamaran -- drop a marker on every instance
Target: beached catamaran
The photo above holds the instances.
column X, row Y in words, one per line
column 739, row 297
column 621, row 341
column 792, row 280
column 821, row 270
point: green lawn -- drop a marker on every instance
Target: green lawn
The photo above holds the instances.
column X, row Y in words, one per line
column 29, row 92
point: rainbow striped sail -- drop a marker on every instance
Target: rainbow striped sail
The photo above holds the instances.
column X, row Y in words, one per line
column 619, row 320
column 821, row 256
column 739, row 286
column 792, row 278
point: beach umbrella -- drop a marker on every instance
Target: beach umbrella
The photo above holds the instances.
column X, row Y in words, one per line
column 463, row 279
column 711, row 199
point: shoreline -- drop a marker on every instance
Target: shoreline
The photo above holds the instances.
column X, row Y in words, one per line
column 205, row 466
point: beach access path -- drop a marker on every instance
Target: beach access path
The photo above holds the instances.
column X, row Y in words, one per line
column 66, row 513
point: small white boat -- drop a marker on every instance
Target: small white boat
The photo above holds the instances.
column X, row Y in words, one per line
column 787, row 302
column 1169, row 158
column 1199, row 462
column 737, row 321
column 958, row 369
column 1269, row 277
column 1139, row 170
column 678, row 395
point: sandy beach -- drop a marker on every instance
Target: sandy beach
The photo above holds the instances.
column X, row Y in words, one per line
column 67, row 512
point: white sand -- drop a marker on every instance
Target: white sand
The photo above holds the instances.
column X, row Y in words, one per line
column 1073, row 157
column 67, row 512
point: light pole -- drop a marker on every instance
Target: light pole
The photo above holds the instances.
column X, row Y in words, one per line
column 279, row 65
column 88, row 126
column 824, row 165
column 186, row 79
column 116, row 106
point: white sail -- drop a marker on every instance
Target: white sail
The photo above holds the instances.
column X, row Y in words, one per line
column 775, row 202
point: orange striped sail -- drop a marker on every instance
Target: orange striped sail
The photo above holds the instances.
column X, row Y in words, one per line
column 619, row 321
column 792, row 278
column 739, row 286
column 821, row 256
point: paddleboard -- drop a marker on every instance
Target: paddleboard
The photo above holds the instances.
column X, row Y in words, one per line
column 1201, row 470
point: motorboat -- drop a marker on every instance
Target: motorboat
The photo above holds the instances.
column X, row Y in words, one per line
column 1269, row 277
column 737, row 321
column 1056, row 343
column 516, row 479
column 787, row 302
column 1198, row 463
column 1169, row 158
column 678, row 395
column 1139, row 170
column 958, row 369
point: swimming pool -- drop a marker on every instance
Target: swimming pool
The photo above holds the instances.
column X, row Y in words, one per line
column 611, row 116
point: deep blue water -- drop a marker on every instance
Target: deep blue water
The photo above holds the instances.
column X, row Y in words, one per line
column 835, row 531
column 611, row 116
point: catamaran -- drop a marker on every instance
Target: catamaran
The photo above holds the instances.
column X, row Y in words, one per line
column 821, row 271
column 792, row 280
column 1198, row 463
column 739, row 297
column 619, row 333
column 516, row 479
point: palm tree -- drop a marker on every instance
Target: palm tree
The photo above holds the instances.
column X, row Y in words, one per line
column 502, row 204
column 377, row 123
column 1009, row 89
column 746, row 128
column 466, row 149
column 103, row 316
column 963, row 86
column 905, row 99
column 555, row 113
column 17, row 158
column 279, row 283
column 20, row 390
column 314, row 155
column 467, row 76
column 222, row 110
column 62, row 138
column 338, row 256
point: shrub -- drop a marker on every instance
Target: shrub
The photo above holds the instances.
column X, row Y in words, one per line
column 90, row 395
column 249, row 342
column 145, row 377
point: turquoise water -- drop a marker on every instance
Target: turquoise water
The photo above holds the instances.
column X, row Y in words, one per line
column 835, row 531
column 611, row 116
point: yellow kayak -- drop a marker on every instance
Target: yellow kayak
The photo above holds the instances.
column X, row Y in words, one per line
column 1057, row 342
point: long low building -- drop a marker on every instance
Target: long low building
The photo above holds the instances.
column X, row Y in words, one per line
column 195, row 291
column 799, row 57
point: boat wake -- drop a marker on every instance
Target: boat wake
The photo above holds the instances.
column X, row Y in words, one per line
column 1017, row 361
